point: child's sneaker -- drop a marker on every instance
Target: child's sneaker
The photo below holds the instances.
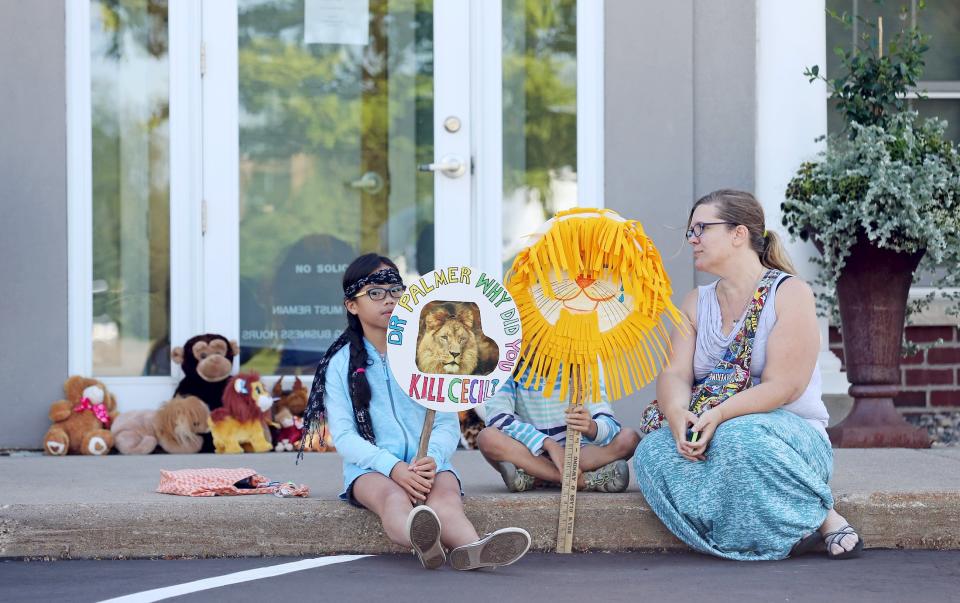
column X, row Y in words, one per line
column 516, row 479
column 612, row 477
column 502, row 547
column 423, row 529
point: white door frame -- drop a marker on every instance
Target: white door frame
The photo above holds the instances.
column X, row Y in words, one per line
column 186, row 313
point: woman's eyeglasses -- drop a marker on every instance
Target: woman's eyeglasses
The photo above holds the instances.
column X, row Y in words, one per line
column 378, row 293
column 697, row 229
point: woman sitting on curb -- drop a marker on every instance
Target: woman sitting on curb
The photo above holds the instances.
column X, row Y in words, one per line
column 742, row 471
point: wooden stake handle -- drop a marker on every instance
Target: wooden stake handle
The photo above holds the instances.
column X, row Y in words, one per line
column 568, row 491
column 425, row 434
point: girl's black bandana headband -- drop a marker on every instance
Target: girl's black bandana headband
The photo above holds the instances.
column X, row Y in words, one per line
column 387, row 276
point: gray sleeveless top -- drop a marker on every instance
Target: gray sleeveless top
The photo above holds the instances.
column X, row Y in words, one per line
column 712, row 344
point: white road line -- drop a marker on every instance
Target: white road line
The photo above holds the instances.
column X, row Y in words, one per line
column 158, row 594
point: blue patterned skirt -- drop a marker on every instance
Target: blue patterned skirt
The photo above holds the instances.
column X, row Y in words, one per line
column 762, row 487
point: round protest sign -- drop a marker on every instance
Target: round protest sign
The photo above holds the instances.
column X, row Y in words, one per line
column 454, row 338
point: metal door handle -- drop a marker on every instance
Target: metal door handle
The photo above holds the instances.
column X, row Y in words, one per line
column 371, row 183
column 450, row 165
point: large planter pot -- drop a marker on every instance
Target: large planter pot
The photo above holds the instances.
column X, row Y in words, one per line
column 872, row 291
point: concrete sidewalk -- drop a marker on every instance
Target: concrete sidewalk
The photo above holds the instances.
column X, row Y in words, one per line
column 86, row 507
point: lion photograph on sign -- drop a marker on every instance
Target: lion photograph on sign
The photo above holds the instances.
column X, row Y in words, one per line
column 451, row 340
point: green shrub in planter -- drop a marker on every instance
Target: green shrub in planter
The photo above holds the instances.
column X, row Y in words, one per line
column 897, row 184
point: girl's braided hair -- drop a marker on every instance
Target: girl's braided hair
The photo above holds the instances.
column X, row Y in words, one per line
column 360, row 272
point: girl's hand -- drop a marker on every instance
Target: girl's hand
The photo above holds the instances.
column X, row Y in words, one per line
column 425, row 467
column 579, row 419
column 416, row 486
column 678, row 427
column 707, row 424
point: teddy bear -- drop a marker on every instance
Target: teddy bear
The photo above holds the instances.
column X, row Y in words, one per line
column 81, row 422
column 134, row 433
column 296, row 402
column 289, row 428
column 206, row 361
column 181, row 423
column 240, row 424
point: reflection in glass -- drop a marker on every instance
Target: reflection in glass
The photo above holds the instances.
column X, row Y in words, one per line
column 539, row 116
column 131, row 177
column 330, row 137
column 940, row 19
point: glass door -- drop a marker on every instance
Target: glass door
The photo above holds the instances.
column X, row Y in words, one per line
column 227, row 158
column 331, row 128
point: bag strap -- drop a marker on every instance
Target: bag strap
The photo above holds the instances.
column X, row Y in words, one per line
column 751, row 322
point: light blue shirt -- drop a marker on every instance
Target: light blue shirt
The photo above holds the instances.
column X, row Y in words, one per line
column 527, row 416
column 397, row 422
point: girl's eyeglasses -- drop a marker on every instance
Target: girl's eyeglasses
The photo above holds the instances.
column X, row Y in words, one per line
column 378, row 293
column 697, row 229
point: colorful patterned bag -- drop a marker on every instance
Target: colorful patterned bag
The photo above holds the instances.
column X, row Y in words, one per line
column 732, row 373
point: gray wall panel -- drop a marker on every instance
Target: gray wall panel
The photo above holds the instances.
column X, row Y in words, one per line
column 724, row 67
column 679, row 110
column 649, row 133
column 33, row 246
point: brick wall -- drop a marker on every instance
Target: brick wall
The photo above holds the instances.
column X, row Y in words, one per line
column 929, row 378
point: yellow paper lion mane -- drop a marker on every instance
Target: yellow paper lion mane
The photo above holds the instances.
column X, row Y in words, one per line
column 593, row 243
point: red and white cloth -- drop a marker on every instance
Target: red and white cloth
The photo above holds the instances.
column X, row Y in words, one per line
column 222, row 482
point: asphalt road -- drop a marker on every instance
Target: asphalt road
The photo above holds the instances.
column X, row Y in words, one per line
column 879, row 576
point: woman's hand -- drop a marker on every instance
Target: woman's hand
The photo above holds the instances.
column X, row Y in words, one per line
column 579, row 419
column 678, row 426
column 416, row 486
column 706, row 425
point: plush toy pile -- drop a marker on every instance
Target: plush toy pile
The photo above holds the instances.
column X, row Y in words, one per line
column 210, row 411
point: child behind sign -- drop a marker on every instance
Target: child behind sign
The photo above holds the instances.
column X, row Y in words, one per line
column 376, row 428
column 525, row 436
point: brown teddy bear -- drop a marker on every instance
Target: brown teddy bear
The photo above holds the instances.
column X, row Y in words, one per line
column 133, row 432
column 295, row 402
column 288, row 429
column 81, row 422
column 180, row 424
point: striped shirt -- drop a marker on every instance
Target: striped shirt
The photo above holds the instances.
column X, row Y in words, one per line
column 527, row 416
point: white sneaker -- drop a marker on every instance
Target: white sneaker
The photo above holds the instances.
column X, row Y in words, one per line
column 423, row 529
column 502, row 547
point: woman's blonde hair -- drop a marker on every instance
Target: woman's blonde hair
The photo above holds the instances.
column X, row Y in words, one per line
column 739, row 207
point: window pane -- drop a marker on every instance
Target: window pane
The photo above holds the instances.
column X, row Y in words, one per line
column 331, row 132
column 941, row 19
column 539, row 115
column 131, row 177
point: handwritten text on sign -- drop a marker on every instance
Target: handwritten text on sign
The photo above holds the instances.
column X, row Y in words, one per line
column 453, row 338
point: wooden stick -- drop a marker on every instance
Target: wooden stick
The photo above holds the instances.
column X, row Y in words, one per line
column 880, row 36
column 568, row 489
column 425, row 434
